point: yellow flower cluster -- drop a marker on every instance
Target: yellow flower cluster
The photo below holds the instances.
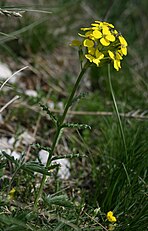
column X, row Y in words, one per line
column 111, row 217
column 101, row 43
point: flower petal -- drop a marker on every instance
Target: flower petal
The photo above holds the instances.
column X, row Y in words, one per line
column 110, row 37
column 111, row 54
column 104, row 42
column 97, row 34
column 86, row 28
column 96, row 61
column 89, row 57
column 118, row 56
column 88, row 43
column 108, row 24
column 124, row 50
column 99, row 55
column 117, row 64
column 122, row 41
column 105, row 30
column 91, row 50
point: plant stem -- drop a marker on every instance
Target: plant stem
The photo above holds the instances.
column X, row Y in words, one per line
column 58, row 131
column 117, row 112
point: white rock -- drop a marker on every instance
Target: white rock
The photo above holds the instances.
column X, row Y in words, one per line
column 26, row 138
column 64, row 172
column 43, row 155
column 11, row 141
column 4, row 144
column 1, row 119
column 60, row 105
column 32, row 93
column 50, row 104
column 7, row 147
column 16, row 155
column 5, row 72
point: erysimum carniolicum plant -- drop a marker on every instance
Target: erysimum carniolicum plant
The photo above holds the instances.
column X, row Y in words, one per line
column 99, row 44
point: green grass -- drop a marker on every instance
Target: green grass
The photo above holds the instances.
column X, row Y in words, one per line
column 109, row 178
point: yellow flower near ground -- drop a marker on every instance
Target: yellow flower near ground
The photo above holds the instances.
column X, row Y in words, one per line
column 11, row 194
column 111, row 217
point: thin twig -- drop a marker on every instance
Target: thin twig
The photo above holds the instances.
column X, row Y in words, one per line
column 11, row 101
column 12, row 76
column 93, row 219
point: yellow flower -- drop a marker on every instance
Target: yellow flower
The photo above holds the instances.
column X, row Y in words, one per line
column 96, row 58
column 11, row 194
column 97, row 34
column 100, row 24
column 116, row 57
column 107, row 37
column 110, row 217
column 123, row 45
column 101, row 41
column 108, row 24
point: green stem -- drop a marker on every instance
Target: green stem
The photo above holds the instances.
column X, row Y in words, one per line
column 117, row 112
column 57, row 135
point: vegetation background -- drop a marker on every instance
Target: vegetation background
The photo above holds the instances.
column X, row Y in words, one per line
column 107, row 179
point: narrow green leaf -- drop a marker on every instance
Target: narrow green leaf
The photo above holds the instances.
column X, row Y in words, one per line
column 51, row 114
column 35, row 167
column 10, row 158
column 74, row 125
column 68, row 156
column 38, row 146
column 38, row 167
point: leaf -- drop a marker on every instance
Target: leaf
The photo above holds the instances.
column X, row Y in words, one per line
column 79, row 97
column 9, row 220
column 37, row 145
column 10, row 158
column 74, row 125
column 2, row 165
column 33, row 166
column 68, row 156
column 61, row 200
column 52, row 116
column 53, row 166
